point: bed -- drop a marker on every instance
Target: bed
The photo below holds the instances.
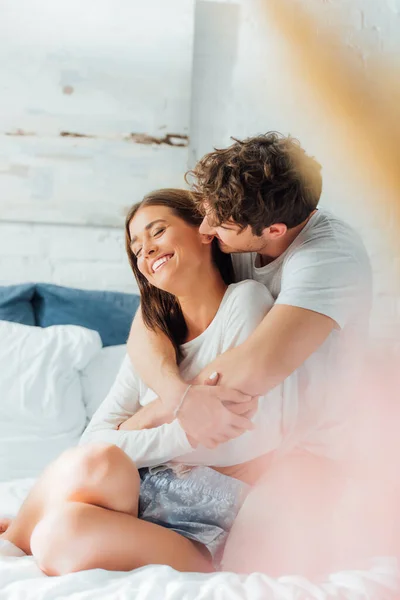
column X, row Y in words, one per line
column 20, row 578
column 59, row 354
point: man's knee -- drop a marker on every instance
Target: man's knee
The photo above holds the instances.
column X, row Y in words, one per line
column 285, row 522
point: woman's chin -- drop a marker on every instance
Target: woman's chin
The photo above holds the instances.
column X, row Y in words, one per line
column 165, row 284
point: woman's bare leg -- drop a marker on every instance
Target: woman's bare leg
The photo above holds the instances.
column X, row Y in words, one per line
column 98, row 473
column 78, row 536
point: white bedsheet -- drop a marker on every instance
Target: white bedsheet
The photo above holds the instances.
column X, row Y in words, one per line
column 20, row 578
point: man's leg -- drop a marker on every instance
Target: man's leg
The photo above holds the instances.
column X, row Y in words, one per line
column 286, row 524
column 310, row 517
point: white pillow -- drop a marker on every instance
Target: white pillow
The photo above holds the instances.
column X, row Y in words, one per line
column 99, row 375
column 41, row 407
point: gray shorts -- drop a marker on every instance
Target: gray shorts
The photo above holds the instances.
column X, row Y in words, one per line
column 199, row 503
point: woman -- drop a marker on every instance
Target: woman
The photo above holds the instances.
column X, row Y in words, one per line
column 92, row 508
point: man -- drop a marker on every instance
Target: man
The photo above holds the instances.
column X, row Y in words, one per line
column 260, row 200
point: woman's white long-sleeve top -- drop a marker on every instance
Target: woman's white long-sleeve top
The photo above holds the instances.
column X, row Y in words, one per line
column 242, row 309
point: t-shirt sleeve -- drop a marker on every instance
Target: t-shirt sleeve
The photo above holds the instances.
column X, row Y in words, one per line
column 146, row 447
column 249, row 304
column 326, row 280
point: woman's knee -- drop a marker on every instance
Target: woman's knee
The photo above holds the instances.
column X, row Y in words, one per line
column 56, row 541
column 95, row 473
column 88, row 466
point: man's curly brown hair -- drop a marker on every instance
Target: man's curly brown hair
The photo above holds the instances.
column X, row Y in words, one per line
column 258, row 181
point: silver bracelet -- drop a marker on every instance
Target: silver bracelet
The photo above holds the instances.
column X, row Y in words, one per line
column 178, row 408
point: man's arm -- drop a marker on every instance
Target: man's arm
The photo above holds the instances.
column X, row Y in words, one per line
column 203, row 416
column 155, row 414
column 285, row 338
column 322, row 287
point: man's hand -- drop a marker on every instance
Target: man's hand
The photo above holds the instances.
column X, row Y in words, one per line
column 205, row 418
column 246, row 409
column 156, row 414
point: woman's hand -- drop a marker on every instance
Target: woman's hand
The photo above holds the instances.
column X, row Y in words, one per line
column 151, row 415
column 155, row 414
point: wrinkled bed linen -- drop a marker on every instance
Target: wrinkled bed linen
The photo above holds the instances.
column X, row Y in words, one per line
column 20, row 578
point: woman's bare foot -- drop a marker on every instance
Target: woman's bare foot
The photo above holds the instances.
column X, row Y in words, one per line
column 4, row 524
column 7, row 547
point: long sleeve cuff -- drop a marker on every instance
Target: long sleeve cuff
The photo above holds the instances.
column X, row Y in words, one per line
column 146, row 447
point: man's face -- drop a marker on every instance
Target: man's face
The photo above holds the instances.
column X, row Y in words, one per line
column 231, row 238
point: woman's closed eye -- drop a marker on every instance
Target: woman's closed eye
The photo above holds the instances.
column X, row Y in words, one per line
column 155, row 234
column 159, row 231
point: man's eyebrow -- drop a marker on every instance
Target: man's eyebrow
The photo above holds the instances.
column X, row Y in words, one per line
column 227, row 225
column 213, row 221
column 148, row 226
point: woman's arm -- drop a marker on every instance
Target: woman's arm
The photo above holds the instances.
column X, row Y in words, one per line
column 153, row 357
column 147, row 417
column 284, row 339
column 145, row 447
column 203, row 417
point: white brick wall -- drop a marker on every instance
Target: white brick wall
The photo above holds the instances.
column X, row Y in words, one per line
column 84, row 86
column 84, row 257
column 261, row 91
column 242, row 85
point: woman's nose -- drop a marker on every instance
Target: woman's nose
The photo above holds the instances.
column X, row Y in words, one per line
column 149, row 248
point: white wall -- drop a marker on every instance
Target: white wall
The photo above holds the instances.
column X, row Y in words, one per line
column 242, row 84
column 85, row 87
column 83, row 257
column 98, row 71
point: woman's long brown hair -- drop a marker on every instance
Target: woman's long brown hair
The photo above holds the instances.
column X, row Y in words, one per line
column 160, row 309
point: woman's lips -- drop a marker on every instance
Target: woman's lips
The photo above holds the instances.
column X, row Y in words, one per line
column 159, row 262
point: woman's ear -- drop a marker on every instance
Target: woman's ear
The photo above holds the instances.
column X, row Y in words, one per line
column 206, row 239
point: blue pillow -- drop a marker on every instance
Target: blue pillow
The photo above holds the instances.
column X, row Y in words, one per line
column 15, row 303
column 109, row 313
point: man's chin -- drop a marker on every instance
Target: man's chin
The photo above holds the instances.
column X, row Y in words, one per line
column 224, row 248
column 227, row 249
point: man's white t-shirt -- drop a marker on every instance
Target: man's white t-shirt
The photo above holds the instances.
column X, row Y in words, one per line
column 242, row 309
column 326, row 270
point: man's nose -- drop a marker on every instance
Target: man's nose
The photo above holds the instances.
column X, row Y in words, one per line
column 206, row 228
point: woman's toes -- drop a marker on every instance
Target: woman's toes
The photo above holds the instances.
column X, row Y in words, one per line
column 4, row 524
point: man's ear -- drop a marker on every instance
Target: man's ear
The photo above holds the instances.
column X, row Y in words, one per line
column 206, row 239
column 277, row 230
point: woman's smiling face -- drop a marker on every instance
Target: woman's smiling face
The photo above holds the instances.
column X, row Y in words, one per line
column 168, row 250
